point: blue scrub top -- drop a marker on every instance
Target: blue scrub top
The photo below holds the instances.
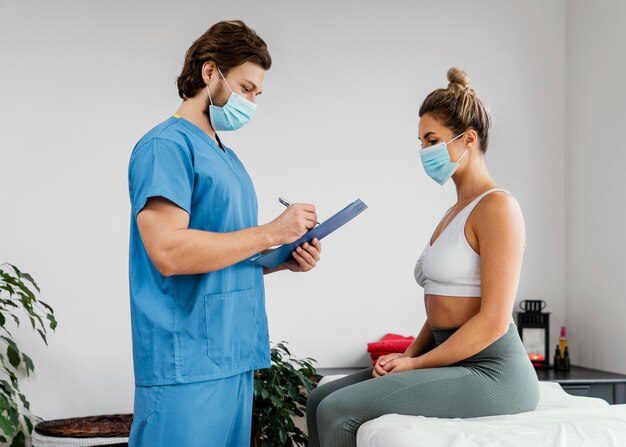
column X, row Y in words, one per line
column 190, row 328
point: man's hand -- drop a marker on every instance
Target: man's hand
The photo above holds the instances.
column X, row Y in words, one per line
column 296, row 220
column 305, row 257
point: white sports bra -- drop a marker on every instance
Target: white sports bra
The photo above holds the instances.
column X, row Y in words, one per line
column 450, row 266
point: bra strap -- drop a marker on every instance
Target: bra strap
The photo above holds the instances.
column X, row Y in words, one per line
column 468, row 210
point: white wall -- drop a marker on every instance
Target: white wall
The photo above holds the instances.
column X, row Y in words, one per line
column 595, row 183
column 82, row 81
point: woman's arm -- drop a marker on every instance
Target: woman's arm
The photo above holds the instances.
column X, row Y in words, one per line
column 423, row 343
column 501, row 238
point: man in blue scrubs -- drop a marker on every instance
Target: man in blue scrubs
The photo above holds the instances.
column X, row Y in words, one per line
column 197, row 305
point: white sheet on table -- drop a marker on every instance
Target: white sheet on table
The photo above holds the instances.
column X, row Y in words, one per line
column 560, row 420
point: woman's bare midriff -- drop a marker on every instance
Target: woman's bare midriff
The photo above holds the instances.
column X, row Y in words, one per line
column 444, row 312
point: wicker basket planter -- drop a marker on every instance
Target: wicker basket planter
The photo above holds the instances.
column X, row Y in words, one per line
column 109, row 430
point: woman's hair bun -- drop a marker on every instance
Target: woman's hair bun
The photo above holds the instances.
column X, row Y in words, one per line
column 458, row 107
column 457, row 78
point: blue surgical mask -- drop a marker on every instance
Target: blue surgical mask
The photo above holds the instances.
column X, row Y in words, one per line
column 436, row 161
column 234, row 114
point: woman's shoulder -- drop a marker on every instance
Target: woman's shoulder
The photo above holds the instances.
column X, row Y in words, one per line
column 498, row 207
column 497, row 198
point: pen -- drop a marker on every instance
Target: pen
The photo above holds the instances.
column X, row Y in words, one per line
column 287, row 204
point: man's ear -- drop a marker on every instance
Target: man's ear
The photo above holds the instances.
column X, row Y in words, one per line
column 208, row 71
column 470, row 139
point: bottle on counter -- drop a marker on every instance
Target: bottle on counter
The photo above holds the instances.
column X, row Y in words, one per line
column 565, row 362
column 557, row 358
column 563, row 341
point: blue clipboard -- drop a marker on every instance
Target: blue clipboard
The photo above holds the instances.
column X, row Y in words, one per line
column 283, row 253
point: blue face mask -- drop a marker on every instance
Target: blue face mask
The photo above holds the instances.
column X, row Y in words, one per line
column 234, row 114
column 436, row 161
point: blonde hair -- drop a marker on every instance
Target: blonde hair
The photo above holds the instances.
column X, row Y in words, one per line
column 458, row 107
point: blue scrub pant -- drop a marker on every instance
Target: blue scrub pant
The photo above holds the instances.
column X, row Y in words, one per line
column 213, row 413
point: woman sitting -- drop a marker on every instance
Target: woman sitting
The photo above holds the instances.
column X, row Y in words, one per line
column 468, row 359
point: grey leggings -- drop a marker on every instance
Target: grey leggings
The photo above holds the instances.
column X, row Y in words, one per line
column 498, row 380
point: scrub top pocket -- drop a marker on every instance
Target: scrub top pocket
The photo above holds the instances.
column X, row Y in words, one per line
column 231, row 326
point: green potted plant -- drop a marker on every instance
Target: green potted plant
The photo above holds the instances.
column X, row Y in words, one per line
column 17, row 291
column 280, row 394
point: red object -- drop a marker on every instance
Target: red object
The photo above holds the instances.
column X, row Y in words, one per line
column 536, row 359
column 390, row 343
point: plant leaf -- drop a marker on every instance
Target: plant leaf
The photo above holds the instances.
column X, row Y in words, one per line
column 28, row 362
column 14, row 356
column 29, row 423
column 14, row 417
column 13, row 377
column 6, row 426
column 6, row 387
column 19, row 440
column 24, row 401
column 53, row 321
column 9, row 341
column 43, row 336
column 31, row 280
column 47, row 306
